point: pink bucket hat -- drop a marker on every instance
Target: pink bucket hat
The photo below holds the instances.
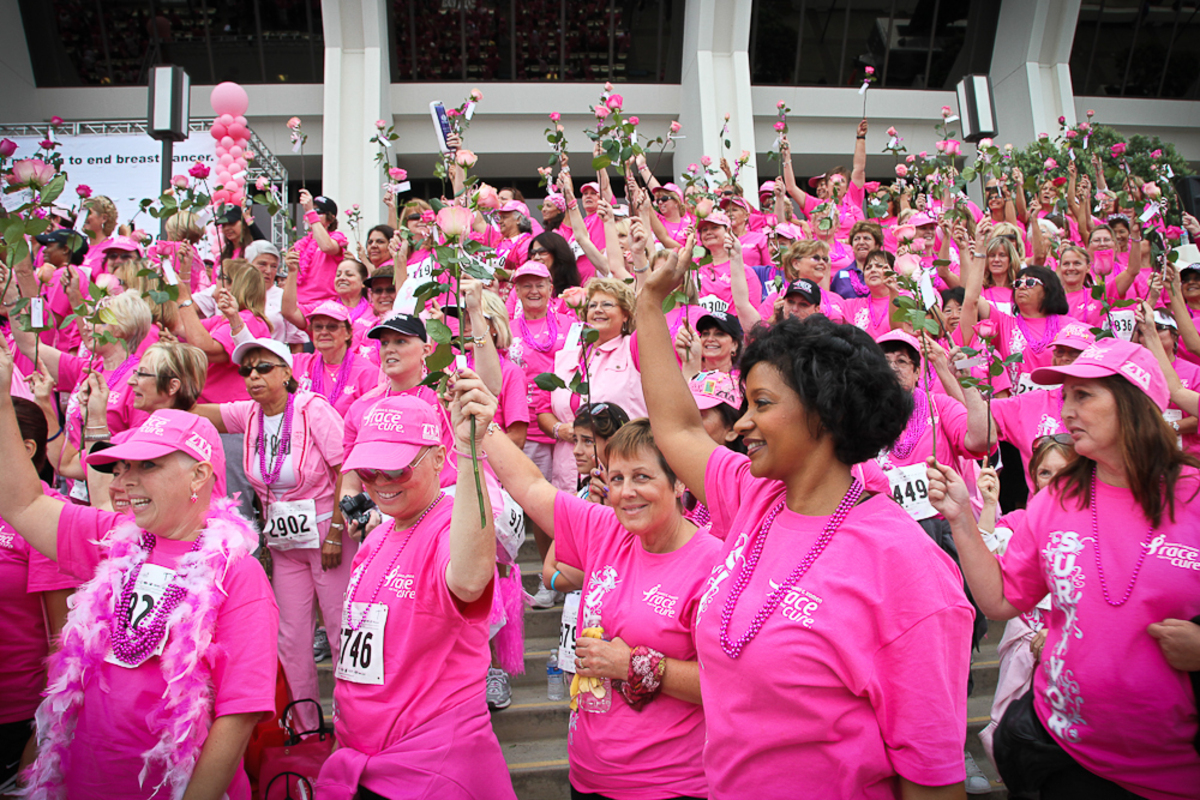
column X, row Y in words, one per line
column 710, row 389
column 332, row 309
column 393, row 432
column 1107, row 357
column 166, row 431
column 1076, row 335
column 530, row 268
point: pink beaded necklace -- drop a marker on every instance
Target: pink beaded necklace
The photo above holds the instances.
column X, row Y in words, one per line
column 358, row 573
column 551, row 328
column 317, row 376
column 285, row 443
column 134, row 645
column 1053, row 323
column 915, row 427
column 1137, row 570
column 733, row 649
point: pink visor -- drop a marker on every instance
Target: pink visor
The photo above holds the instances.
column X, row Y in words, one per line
column 735, row 201
column 1107, row 357
column 166, row 431
column 332, row 309
column 534, row 269
column 393, row 432
column 710, row 389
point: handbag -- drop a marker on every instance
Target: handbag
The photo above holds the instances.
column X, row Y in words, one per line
column 301, row 754
column 304, row 788
column 1026, row 755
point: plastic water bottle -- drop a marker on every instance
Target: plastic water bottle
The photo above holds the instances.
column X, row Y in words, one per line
column 555, row 690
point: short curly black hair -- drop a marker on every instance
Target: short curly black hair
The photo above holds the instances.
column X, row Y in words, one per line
column 839, row 373
column 1054, row 296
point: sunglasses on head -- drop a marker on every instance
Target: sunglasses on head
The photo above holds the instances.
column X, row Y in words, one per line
column 262, row 368
column 1055, row 438
column 1026, row 283
column 402, row 475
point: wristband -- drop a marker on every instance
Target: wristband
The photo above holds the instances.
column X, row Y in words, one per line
column 553, row 578
column 572, row 204
column 860, row 137
column 480, row 455
column 554, row 431
column 337, row 526
column 312, row 217
column 185, row 304
column 332, row 543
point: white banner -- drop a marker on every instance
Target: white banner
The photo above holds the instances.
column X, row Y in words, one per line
column 126, row 167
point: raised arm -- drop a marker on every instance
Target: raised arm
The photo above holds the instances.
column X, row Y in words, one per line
column 487, row 360
column 1125, row 278
column 789, row 174
column 858, row 168
column 747, row 314
column 321, row 236
column 582, row 237
column 614, row 256
column 472, row 536
column 674, row 418
column 974, row 307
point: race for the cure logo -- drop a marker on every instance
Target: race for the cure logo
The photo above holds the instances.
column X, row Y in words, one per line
column 386, row 420
column 659, row 601
column 1179, row 555
column 798, row 605
column 405, row 586
column 198, row 443
column 7, row 540
column 154, row 426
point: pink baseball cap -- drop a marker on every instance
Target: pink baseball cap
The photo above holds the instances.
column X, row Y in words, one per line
column 1107, row 357
column 166, row 431
column 126, row 243
column 332, row 309
column 393, row 432
column 710, row 389
column 673, row 189
column 735, row 201
column 717, row 218
column 590, row 186
column 1076, row 335
column 766, row 188
column 788, row 230
column 919, row 219
column 515, row 205
column 898, row 335
column 530, row 268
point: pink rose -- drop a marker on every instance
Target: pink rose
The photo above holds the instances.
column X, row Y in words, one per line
column 905, row 233
column 555, row 116
column 870, row 187
column 614, row 102
column 985, row 142
column 1071, row 134
column 7, row 147
column 179, row 181
column 83, row 190
column 1156, row 153
column 676, row 127
column 704, row 208
column 940, row 146
column 293, row 123
column 261, row 184
column 946, row 111
column 1050, row 164
column 892, row 131
column 453, row 220
column 56, row 121
column 693, row 168
column 780, row 105
column 901, row 170
column 428, row 216
column 1117, row 150
column 907, row 265
column 779, row 126
column 727, row 116
column 31, row 172
column 601, row 112
column 910, row 158
column 354, row 207
column 923, row 154
column 453, row 112
column 380, row 124
column 476, row 95
column 706, row 160
column 1085, row 126
column 869, row 70
column 987, row 329
column 574, row 296
column 46, row 144
column 745, row 156
column 1062, row 120
column 108, row 283
column 487, row 197
column 1173, row 232
column 199, row 170
column 634, row 120
column 608, row 87
column 1059, row 181
column 1151, row 191
column 559, row 128
column 397, row 174
column 248, row 155
column 1043, row 136
column 465, row 158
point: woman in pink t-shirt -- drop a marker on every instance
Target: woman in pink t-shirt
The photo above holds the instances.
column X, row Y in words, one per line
column 167, row 660
column 644, row 567
column 1074, row 263
column 292, row 455
column 410, row 709
column 317, row 255
column 1114, row 540
column 833, row 634
column 873, row 313
column 334, row 370
column 807, row 259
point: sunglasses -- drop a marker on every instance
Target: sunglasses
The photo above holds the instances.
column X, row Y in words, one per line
column 413, row 218
column 534, row 252
column 403, row 475
column 261, row 368
column 1026, row 283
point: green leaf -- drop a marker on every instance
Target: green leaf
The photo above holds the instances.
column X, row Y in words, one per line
column 35, row 226
column 590, row 335
column 442, row 357
column 14, row 232
column 579, row 387
column 548, row 382
column 54, row 188
column 601, row 162
column 1097, row 291
column 996, row 369
column 436, row 204
column 439, row 332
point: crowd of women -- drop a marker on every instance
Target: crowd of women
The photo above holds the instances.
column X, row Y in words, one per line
column 777, row 517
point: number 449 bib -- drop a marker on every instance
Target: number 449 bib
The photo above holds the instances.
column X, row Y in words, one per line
column 910, row 488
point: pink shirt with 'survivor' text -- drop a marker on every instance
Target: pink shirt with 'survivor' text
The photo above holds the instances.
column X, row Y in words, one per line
column 105, row 754
column 860, row 673
column 646, row 599
column 1103, row 688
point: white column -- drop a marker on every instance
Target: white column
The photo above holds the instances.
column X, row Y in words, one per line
column 356, row 94
column 1031, row 75
column 716, row 81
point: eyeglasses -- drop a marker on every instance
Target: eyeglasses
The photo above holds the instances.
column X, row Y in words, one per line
column 607, row 305
column 662, row 198
column 332, row 326
column 1054, row 438
column 826, row 259
column 534, row 252
column 900, row 362
column 1026, row 283
column 403, row 475
column 262, row 368
column 141, row 374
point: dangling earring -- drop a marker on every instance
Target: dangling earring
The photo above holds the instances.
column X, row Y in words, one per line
column 195, row 497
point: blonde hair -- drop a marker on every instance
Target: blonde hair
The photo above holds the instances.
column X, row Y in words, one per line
column 802, row 249
column 1014, row 260
column 1008, row 229
column 621, row 292
column 184, row 226
column 165, row 315
column 497, row 314
column 246, row 286
column 130, row 318
column 107, row 210
column 178, row 361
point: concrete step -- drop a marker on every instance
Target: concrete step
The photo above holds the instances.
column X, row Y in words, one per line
column 539, row 769
column 531, row 717
column 541, row 623
column 528, row 553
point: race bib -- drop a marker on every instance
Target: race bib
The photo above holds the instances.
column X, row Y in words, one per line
column 360, row 659
column 79, row 491
column 1026, row 384
column 710, row 303
column 569, row 631
column 292, row 525
column 1006, row 308
column 577, row 249
column 152, row 583
column 422, row 271
column 911, row 490
column 1122, row 322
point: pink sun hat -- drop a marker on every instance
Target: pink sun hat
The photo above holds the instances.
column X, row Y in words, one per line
column 1076, row 335
column 710, row 389
column 530, row 268
column 166, row 431
column 393, row 432
column 1107, row 357
column 332, row 309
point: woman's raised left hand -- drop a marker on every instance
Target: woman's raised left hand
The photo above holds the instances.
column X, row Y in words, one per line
column 596, row 658
column 469, row 398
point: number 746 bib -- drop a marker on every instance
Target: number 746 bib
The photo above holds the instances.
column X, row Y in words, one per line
column 360, row 659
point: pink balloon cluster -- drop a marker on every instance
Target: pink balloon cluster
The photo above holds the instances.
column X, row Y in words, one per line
column 229, row 102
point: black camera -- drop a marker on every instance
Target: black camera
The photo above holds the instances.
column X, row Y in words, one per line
column 357, row 509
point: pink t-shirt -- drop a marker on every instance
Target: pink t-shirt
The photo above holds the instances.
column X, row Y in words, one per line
column 1084, row 308
column 120, row 414
column 528, row 336
column 513, row 398
column 317, row 268
column 951, row 436
column 310, row 368
column 1103, row 689
column 105, row 754
column 849, row 211
column 1022, row 419
column 1189, row 376
column 1017, row 333
column 24, row 575
column 716, row 284
column 858, row 676
column 434, row 651
column 756, row 250
column 871, row 314
column 831, row 306
column 646, row 599
column 223, row 384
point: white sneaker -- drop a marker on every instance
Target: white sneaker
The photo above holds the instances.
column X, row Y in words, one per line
column 546, row 598
column 977, row 782
column 499, row 692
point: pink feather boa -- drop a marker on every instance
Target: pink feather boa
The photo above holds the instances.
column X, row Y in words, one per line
column 183, row 717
